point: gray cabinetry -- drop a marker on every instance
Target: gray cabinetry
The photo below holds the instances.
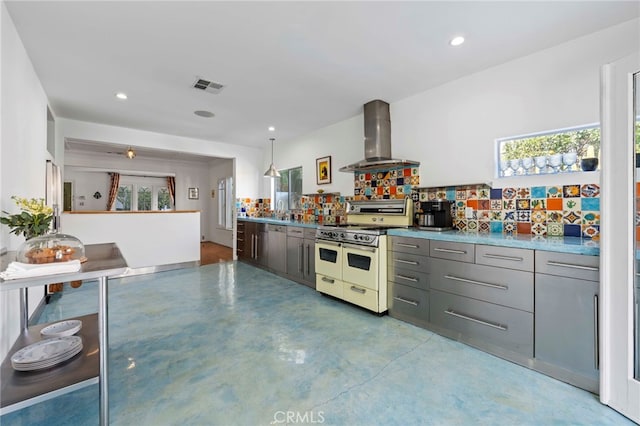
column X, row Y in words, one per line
column 255, row 242
column 242, row 241
column 301, row 255
column 462, row 252
column 277, row 242
column 487, row 306
column 408, row 279
column 566, row 323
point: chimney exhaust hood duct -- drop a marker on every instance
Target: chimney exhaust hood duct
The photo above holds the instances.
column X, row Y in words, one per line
column 377, row 141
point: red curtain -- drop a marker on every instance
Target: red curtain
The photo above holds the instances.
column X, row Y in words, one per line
column 171, row 184
column 113, row 191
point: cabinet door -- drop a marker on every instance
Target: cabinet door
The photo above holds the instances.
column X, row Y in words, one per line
column 294, row 257
column 566, row 323
column 408, row 303
column 462, row 252
column 416, row 246
column 262, row 245
column 277, row 242
column 309, row 264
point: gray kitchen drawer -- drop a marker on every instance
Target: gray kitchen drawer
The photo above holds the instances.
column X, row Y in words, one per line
column 506, row 287
column 310, row 233
column 408, row 276
column 417, row 246
column 410, row 261
column 505, row 257
column 295, row 231
column 483, row 323
column 463, row 252
column 408, row 303
column 568, row 265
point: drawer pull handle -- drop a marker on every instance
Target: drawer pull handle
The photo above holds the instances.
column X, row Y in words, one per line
column 240, row 239
column 408, row 262
column 240, row 232
column 404, row 277
column 465, row 280
column 328, row 280
column 408, row 245
column 239, row 250
column 569, row 265
column 445, row 250
column 502, row 257
column 402, row 299
column 358, row 290
column 468, row 318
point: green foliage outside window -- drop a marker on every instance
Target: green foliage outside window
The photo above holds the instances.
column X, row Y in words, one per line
column 164, row 199
column 553, row 143
column 123, row 198
column 144, row 198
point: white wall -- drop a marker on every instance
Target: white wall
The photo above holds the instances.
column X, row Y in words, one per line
column 451, row 129
column 23, row 131
column 218, row 170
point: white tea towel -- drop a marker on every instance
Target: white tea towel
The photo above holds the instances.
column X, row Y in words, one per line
column 17, row 270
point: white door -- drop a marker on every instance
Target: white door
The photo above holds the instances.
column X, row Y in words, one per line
column 619, row 385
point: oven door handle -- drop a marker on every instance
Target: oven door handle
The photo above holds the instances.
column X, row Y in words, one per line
column 329, row 243
column 363, row 248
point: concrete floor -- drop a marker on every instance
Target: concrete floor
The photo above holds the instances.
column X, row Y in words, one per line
column 229, row 344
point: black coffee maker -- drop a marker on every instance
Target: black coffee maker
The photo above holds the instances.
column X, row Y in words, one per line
column 435, row 215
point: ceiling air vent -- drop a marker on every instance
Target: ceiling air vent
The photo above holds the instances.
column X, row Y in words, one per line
column 207, row 86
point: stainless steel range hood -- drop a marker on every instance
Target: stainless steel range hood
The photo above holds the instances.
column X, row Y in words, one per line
column 377, row 140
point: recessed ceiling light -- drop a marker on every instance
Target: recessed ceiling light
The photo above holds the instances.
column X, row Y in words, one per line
column 121, row 95
column 205, row 114
column 272, row 129
column 457, row 41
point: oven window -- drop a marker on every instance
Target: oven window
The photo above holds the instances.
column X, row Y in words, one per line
column 328, row 255
column 359, row 261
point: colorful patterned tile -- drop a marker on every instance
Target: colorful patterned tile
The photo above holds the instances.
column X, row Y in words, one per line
column 590, row 190
column 590, row 218
column 424, row 196
column 461, row 194
column 570, row 191
column 484, row 204
column 472, row 225
column 407, row 188
column 570, row 204
column 555, row 229
column 523, row 193
column 472, row 194
column 509, row 227
column 472, row 203
column 572, row 217
column 539, row 192
column 539, row 229
column 484, row 215
column 508, row 204
column 495, row 194
column 415, row 180
column 496, row 215
column 508, row 193
column 415, row 171
column 484, row 226
column 538, row 216
column 442, row 195
column 590, row 231
column 496, row 227
column 572, row 230
column 539, row 204
column 496, row 204
column 400, row 181
column 592, row 203
column 461, row 224
column 523, row 216
column 554, row 192
column 523, row 228
column 523, row 204
column 483, row 193
column 554, row 204
column 509, row 215
column 450, row 193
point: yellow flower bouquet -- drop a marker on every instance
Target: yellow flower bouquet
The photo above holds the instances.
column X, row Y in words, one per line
column 33, row 220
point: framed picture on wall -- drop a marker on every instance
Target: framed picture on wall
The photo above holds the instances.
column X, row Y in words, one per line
column 323, row 170
column 193, row 193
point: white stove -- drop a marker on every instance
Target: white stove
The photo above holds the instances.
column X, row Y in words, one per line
column 351, row 261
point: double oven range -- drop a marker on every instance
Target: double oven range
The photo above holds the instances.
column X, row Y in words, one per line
column 351, row 260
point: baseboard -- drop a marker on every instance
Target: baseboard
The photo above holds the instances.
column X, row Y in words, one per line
column 158, row 268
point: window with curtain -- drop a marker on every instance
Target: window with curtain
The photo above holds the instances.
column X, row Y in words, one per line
column 140, row 193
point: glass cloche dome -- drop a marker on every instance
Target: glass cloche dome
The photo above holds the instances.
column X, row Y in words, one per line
column 52, row 247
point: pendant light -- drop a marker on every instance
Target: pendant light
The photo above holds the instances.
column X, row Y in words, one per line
column 131, row 153
column 272, row 172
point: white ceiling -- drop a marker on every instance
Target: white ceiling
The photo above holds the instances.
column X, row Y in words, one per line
column 298, row 66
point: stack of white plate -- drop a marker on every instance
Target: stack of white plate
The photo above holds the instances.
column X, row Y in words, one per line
column 46, row 353
column 62, row 328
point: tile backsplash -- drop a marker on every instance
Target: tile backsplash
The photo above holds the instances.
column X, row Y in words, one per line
column 567, row 210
